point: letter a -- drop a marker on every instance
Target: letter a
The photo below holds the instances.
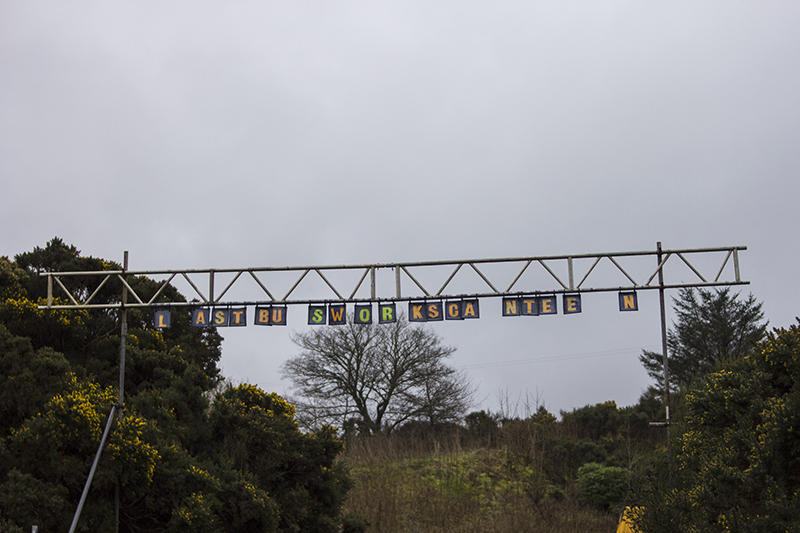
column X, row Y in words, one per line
column 199, row 319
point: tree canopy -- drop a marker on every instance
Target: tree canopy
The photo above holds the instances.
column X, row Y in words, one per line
column 377, row 376
column 737, row 459
column 192, row 453
column 711, row 326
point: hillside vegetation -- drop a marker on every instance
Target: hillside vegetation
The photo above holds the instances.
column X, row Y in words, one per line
column 512, row 475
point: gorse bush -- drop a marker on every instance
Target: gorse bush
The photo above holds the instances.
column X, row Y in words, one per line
column 190, row 453
column 736, row 451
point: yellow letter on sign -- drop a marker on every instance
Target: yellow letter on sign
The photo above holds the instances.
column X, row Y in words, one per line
column 628, row 301
column 200, row 318
column 572, row 303
column 510, row 307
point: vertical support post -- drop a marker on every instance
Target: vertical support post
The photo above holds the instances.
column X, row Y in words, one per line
column 49, row 290
column 571, row 274
column 211, row 286
column 397, row 280
column 372, row 281
column 664, row 338
column 123, row 337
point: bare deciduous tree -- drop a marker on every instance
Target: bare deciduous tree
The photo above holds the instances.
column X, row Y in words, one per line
column 381, row 375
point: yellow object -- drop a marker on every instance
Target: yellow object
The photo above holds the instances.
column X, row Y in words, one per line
column 626, row 522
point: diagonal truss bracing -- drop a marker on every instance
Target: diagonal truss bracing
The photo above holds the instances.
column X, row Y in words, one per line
column 639, row 273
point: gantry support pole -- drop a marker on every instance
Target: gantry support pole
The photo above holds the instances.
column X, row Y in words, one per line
column 123, row 338
column 664, row 340
column 115, row 409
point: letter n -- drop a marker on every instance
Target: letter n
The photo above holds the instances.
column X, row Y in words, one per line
column 628, row 301
column 511, row 307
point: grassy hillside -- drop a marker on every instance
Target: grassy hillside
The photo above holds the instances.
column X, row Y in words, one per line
column 451, row 483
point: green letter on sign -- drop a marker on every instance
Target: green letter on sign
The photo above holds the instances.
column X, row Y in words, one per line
column 387, row 313
column 363, row 314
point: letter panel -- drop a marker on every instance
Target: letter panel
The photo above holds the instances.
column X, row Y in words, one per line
column 453, row 310
column 511, row 307
column 387, row 313
column 416, row 312
column 219, row 318
column 278, row 315
column 571, row 303
column 628, row 301
column 337, row 314
column 363, row 314
column 530, row 306
column 470, row 308
column 317, row 315
column 262, row 316
column 433, row 311
column 237, row 317
column 163, row 319
column 200, row 317
column 547, row 305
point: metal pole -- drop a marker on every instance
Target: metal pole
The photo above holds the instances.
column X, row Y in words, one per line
column 91, row 471
column 122, row 343
column 664, row 339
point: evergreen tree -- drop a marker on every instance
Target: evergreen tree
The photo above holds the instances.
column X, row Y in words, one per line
column 711, row 326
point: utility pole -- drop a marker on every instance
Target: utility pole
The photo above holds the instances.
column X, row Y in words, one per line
column 664, row 341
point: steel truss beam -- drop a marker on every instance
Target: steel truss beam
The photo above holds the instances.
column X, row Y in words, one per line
column 659, row 260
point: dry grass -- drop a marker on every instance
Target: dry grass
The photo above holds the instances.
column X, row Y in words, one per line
column 434, row 485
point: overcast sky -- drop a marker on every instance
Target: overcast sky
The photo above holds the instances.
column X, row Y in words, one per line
column 238, row 134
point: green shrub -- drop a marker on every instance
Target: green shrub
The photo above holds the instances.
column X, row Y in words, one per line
column 9, row 527
column 354, row 523
column 602, row 486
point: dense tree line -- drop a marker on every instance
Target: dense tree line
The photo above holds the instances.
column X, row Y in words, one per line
column 192, row 453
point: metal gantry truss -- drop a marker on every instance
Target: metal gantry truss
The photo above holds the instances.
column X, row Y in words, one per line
column 562, row 270
column 727, row 274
